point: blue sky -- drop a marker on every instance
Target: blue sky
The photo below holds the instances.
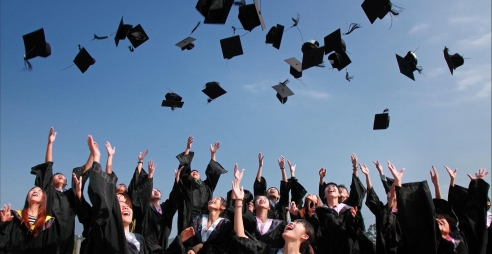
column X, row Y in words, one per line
column 439, row 119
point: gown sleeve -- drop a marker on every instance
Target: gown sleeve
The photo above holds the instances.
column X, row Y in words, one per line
column 214, row 171
column 297, row 191
column 259, row 187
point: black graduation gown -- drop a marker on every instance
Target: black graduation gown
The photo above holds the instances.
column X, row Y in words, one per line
column 16, row 238
column 416, row 218
column 107, row 234
column 388, row 232
column 277, row 211
column 151, row 224
column 194, row 196
column 217, row 243
column 64, row 206
column 472, row 214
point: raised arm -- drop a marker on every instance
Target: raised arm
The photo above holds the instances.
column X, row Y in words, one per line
column 355, row 161
column 452, row 175
column 78, row 185
column 260, row 167
column 386, row 183
column 141, row 157
column 435, row 180
column 188, row 145
column 109, row 161
column 49, row 148
column 322, row 174
column 365, row 171
column 397, row 175
column 281, row 164
column 213, row 150
column 214, row 169
column 238, row 212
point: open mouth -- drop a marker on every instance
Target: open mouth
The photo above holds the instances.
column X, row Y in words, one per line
column 290, row 227
column 126, row 213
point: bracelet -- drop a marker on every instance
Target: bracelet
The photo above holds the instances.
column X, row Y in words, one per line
column 282, row 168
column 140, row 162
column 238, row 205
column 238, row 199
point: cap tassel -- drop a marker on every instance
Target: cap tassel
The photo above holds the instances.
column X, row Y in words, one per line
column 197, row 25
column 352, row 27
column 131, row 48
column 296, row 22
column 27, row 65
column 347, row 77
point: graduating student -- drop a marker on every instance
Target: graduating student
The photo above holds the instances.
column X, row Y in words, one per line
column 388, row 232
column 29, row 230
column 153, row 219
column 295, row 238
column 195, row 193
column 278, row 200
column 61, row 203
column 112, row 214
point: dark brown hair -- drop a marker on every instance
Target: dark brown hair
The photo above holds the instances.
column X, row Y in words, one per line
column 41, row 216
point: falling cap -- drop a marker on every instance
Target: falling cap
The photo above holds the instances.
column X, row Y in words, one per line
column 334, row 42
column 122, row 32
column 186, row 44
column 381, row 121
column 339, row 60
column 407, row 64
column 312, row 54
column 454, row 61
column 295, row 67
column 35, row 45
column 274, row 36
column 231, row 47
column 250, row 16
column 377, row 9
column 83, row 60
column 283, row 91
column 214, row 11
column 172, row 100
column 137, row 36
column 213, row 90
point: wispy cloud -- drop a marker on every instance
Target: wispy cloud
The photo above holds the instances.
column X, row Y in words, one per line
column 475, row 42
column 476, row 77
column 258, row 88
column 315, row 94
column 436, row 72
column 418, row 28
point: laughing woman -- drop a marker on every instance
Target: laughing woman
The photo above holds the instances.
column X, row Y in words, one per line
column 28, row 230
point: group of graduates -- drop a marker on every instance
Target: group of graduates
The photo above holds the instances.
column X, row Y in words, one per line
column 132, row 220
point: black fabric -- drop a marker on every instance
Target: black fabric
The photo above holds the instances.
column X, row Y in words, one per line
column 278, row 210
column 297, row 191
column 64, row 206
column 388, row 232
column 217, row 243
column 415, row 205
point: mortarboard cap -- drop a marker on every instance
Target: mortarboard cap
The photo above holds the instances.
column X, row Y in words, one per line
column 186, row 43
column 408, row 64
column 295, row 73
column 381, row 121
column 313, row 57
column 295, row 67
column 283, row 91
column 213, row 90
column 250, row 16
column 83, row 60
column 274, row 36
column 172, row 100
column 377, row 9
column 122, row 32
column 35, row 45
column 231, row 47
column 454, row 61
column 334, row 42
column 312, row 44
column 214, row 11
column 339, row 60
column 137, row 36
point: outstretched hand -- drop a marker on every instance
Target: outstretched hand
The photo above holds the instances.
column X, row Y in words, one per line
column 396, row 175
column 111, row 151
column 78, row 185
column 322, row 172
column 364, row 169
column 187, row 233
column 479, row 175
column 238, row 192
column 190, row 142
column 141, row 155
column 292, row 208
column 151, row 167
column 51, row 136
column 281, row 162
column 353, row 211
column 238, row 174
column 434, row 176
column 215, row 147
column 5, row 214
column 354, row 160
column 292, row 167
column 260, row 160
column 379, row 167
column 177, row 173
column 94, row 148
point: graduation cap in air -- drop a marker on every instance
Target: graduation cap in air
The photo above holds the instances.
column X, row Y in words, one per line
column 122, row 32
column 187, row 43
column 408, row 64
column 83, row 60
column 137, row 36
column 213, row 91
column 295, row 67
column 283, row 91
column 454, row 61
column 231, row 47
column 378, row 9
column 214, row 11
column 274, row 36
column 381, row 121
column 334, row 43
column 173, row 100
column 35, row 45
column 312, row 54
column 250, row 16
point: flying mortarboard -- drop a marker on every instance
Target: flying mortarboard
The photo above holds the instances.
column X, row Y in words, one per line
column 339, row 60
column 137, row 36
column 408, row 64
column 381, row 121
column 274, row 36
column 283, row 91
column 35, row 45
column 122, row 32
column 83, row 60
column 186, row 44
column 334, row 42
column 173, row 100
column 295, row 67
column 454, row 61
column 214, row 11
column 231, row 47
column 250, row 16
column 377, row 9
column 213, row 91
column 312, row 57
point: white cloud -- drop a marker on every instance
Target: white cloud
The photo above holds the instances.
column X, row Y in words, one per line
column 475, row 42
column 477, row 76
column 436, row 72
column 256, row 88
column 418, row 28
column 486, row 90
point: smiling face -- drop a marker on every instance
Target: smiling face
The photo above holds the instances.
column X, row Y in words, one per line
column 343, row 193
column 262, row 202
column 272, row 193
column 59, row 181
column 156, row 194
column 126, row 213
column 296, row 231
column 194, row 174
column 331, row 191
column 443, row 226
column 217, row 203
column 35, row 196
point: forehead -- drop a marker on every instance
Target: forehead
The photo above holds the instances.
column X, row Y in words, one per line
column 59, row 174
column 35, row 188
column 124, row 205
column 272, row 188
